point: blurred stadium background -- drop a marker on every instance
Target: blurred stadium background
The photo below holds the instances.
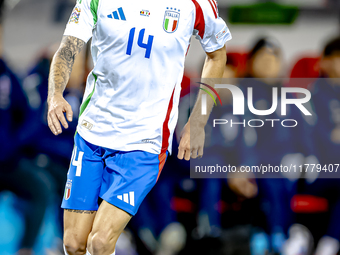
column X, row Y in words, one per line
column 182, row 215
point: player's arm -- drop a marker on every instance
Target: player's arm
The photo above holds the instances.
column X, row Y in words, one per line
column 213, row 68
column 61, row 68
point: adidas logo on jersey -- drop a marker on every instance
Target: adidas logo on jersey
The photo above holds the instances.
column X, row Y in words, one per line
column 128, row 198
column 119, row 15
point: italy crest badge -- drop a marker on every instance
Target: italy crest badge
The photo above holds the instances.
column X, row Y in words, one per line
column 68, row 188
column 171, row 19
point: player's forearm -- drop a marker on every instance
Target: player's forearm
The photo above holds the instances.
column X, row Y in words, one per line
column 62, row 63
column 212, row 71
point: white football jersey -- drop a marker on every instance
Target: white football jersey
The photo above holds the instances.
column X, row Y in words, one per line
column 138, row 49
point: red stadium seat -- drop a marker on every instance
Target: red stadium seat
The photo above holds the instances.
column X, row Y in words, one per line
column 182, row 205
column 239, row 61
column 306, row 67
column 309, row 204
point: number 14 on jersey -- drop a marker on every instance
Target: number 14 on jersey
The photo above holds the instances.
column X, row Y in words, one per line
column 147, row 46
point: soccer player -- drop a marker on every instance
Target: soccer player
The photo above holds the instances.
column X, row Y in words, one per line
column 130, row 107
column 26, row 181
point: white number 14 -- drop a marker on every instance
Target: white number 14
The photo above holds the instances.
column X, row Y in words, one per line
column 77, row 163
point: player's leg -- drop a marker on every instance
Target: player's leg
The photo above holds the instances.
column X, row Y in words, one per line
column 109, row 223
column 128, row 177
column 80, row 201
column 77, row 227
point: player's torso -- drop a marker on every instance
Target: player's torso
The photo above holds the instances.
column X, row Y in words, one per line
column 142, row 29
column 139, row 49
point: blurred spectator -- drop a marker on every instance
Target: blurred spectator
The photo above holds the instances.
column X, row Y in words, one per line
column 16, row 174
column 326, row 134
column 273, row 145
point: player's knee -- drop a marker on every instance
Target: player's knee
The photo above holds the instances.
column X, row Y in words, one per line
column 102, row 242
column 74, row 246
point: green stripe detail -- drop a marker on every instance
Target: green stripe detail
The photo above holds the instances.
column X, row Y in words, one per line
column 209, row 94
column 94, row 9
column 88, row 99
column 166, row 24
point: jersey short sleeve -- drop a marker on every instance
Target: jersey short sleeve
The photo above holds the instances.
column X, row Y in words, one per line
column 82, row 20
column 210, row 29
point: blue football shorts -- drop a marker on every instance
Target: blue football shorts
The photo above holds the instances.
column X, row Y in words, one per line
column 122, row 179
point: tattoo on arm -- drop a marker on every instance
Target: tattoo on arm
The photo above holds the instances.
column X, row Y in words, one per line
column 62, row 63
column 81, row 211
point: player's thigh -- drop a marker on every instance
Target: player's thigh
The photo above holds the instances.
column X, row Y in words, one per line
column 82, row 188
column 109, row 223
column 77, row 227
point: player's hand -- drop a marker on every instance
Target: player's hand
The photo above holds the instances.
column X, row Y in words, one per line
column 242, row 184
column 195, row 149
column 57, row 105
